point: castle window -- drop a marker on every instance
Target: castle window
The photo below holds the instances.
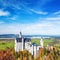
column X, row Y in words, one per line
column 19, row 39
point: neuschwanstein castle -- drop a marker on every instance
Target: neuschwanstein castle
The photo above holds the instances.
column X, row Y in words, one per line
column 22, row 43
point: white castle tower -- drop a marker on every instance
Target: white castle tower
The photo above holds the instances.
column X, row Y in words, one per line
column 19, row 43
column 22, row 40
column 41, row 42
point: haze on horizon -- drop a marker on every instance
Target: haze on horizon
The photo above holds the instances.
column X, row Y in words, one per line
column 30, row 17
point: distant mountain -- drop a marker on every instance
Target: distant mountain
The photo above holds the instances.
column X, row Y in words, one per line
column 44, row 36
column 8, row 35
column 29, row 36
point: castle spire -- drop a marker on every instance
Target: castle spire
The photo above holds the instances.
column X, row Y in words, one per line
column 20, row 35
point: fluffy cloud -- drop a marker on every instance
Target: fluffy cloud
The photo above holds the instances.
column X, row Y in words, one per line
column 53, row 18
column 4, row 13
column 35, row 28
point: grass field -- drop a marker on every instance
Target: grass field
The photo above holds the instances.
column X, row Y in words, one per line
column 5, row 44
column 10, row 44
column 46, row 41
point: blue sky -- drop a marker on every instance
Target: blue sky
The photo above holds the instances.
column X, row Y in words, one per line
column 30, row 17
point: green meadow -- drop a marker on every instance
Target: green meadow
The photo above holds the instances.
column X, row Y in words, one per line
column 5, row 44
column 48, row 41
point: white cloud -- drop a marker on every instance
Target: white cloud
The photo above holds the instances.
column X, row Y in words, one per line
column 9, row 28
column 35, row 28
column 48, row 26
column 39, row 12
column 4, row 13
column 41, row 28
column 53, row 18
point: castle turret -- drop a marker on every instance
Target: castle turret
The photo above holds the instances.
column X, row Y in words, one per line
column 19, row 43
column 41, row 42
column 22, row 41
column 20, row 35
